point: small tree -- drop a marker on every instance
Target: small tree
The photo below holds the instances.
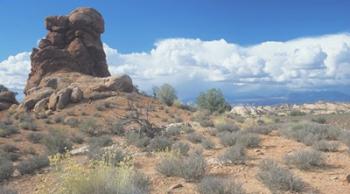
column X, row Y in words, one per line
column 212, row 100
column 166, row 94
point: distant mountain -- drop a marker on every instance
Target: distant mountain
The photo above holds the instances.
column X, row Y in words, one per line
column 292, row 98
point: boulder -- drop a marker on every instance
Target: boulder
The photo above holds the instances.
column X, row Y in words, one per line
column 77, row 95
column 41, row 105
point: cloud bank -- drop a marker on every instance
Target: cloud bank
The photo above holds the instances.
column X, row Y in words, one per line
column 305, row 63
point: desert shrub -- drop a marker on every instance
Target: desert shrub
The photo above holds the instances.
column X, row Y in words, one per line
column 100, row 107
column 195, row 137
column 9, row 148
column 277, row 178
column 91, row 127
column 138, row 139
column 166, row 94
column 249, row 140
column 227, row 138
column 4, row 190
column 173, row 131
column 114, row 157
column 212, row 100
column 320, row 120
column 207, row 144
column 181, row 148
column 170, row 165
column 203, row 118
column 159, row 143
column 30, row 165
column 57, row 142
column 260, row 130
column 28, row 125
column 13, row 156
column 118, row 128
column 187, row 129
column 99, row 178
column 295, row 113
column 6, row 130
column 222, row 126
column 193, row 167
column 305, row 159
column 212, row 131
column 101, row 141
column 326, row 146
column 219, row 185
column 235, row 155
column 35, row 137
column 71, row 121
column 6, row 168
column 308, row 133
column 77, row 138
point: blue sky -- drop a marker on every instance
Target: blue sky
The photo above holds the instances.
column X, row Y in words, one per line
column 135, row 25
column 242, row 47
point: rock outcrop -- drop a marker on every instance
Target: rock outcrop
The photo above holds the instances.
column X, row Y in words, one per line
column 7, row 98
column 72, row 44
column 70, row 65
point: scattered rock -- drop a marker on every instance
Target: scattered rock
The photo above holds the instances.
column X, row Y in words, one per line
column 31, row 100
column 41, row 105
column 7, row 98
column 80, row 151
column 63, row 98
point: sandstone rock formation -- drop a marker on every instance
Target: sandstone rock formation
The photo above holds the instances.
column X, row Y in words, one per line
column 72, row 44
column 70, row 65
column 7, row 98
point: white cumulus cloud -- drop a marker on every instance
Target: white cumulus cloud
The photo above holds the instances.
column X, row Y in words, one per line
column 312, row 62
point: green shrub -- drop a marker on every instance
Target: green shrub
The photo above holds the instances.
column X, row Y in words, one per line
column 9, row 148
column 305, row 159
column 6, row 168
column 249, row 140
column 326, row 146
column 235, row 155
column 159, row 143
column 91, row 127
column 72, row 122
column 35, row 137
column 180, row 147
column 212, row 100
column 166, row 94
column 195, row 137
column 57, row 142
column 219, row 185
column 30, row 165
column 28, row 125
column 6, row 130
column 277, row 178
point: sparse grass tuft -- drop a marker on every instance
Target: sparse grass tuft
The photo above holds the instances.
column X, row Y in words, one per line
column 207, row 144
column 35, row 137
column 180, row 147
column 219, row 185
column 305, row 159
column 277, row 178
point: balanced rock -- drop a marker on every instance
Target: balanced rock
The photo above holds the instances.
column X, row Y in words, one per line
column 70, row 64
column 73, row 44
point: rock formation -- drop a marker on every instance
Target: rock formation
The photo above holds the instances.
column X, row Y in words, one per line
column 7, row 98
column 72, row 44
column 70, row 64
